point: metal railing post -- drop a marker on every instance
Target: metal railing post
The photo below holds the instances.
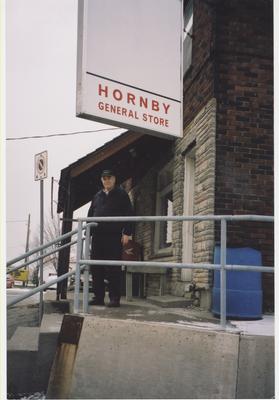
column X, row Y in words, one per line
column 223, row 283
column 86, row 272
column 77, row 277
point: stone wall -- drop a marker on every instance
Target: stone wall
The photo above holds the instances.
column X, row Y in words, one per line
column 199, row 136
column 144, row 198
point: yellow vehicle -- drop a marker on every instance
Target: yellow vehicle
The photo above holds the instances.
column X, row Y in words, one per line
column 20, row 275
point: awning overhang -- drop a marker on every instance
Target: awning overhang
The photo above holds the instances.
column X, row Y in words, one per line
column 131, row 155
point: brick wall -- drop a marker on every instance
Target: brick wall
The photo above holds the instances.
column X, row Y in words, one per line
column 244, row 141
column 232, row 61
column 198, row 86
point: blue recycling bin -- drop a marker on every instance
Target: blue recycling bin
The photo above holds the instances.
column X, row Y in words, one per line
column 244, row 288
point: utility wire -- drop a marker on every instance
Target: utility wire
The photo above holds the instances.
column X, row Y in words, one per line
column 60, row 134
column 16, row 220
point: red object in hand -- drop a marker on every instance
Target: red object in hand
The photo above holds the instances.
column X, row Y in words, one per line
column 132, row 251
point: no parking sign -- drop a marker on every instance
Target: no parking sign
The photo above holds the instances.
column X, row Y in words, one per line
column 40, row 175
column 41, row 166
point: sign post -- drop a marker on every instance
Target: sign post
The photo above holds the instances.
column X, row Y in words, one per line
column 41, row 174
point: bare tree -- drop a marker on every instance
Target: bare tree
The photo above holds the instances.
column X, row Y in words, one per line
column 52, row 228
column 51, row 232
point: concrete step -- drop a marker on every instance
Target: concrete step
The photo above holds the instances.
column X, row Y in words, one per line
column 24, row 339
column 51, row 323
column 30, row 354
column 49, row 331
column 54, row 306
column 168, row 301
column 22, row 352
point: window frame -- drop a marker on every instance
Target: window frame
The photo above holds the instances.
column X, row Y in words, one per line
column 188, row 16
column 159, row 227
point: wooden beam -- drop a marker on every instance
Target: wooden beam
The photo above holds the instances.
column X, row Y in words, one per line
column 101, row 155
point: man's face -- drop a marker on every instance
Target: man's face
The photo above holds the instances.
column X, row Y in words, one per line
column 108, row 182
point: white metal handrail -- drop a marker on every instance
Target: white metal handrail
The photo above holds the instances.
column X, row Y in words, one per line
column 42, row 287
column 83, row 263
column 44, row 255
column 223, row 267
column 41, row 247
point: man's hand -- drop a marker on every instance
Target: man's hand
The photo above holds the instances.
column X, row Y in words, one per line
column 125, row 239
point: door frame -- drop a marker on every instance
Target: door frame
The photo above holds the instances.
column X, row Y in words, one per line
column 188, row 209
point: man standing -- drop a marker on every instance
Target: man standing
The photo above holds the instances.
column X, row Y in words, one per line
column 108, row 238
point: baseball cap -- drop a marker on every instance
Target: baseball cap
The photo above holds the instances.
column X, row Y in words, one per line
column 107, row 172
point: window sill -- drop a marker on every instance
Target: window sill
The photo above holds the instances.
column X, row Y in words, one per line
column 162, row 253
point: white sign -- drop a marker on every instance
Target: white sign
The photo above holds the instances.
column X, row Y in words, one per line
column 41, row 166
column 130, row 64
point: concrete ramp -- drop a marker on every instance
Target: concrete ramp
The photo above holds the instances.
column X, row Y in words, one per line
column 128, row 359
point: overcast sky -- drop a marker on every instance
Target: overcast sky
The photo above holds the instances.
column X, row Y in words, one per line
column 41, row 57
column 41, row 43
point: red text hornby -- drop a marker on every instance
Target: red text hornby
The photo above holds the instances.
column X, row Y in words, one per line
column 133, row 99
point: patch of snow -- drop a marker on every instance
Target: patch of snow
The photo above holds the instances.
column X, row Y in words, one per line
column 263, row 327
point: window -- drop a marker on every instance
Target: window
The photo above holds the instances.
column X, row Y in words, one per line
column 165, row 228
column 164, row 206
column 188, row 32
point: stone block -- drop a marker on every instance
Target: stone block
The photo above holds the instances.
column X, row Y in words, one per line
column 138, row 360
column 169, row 301
column 256, row 378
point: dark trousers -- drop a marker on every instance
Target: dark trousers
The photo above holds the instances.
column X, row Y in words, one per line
column 106, row 247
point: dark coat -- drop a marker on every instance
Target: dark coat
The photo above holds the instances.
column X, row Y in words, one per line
column 115, row 203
